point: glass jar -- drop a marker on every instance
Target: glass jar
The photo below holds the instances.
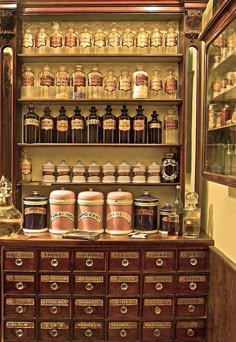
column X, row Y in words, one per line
column 140, row 83
column 191, row 216
column 146, row 213
column 169, row 169
column 171, row 127
column 78, row 82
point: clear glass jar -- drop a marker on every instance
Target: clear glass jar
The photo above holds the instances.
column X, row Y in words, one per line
column 56, row 39
column 171, row 39
column 113, row 40
column 192, row 216
column 156, row 84
column 46, row 83
column 78, row 82
column 110, row 85
column 41, row 41
column 142, row 40
column 71, row 40
column 85, row 40
column 62, row 83
column 125, row 84
column 171, row 84
column 128, row 41
column 140, row 83
column 171, row 127
column 28, row 85
column 156, row 40
column 95, row 83
column 99, row 40
column 27, row 41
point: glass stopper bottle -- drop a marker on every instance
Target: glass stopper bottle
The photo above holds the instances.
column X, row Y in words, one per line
column 31, row 126
column 155, row 129
column 125, row 84
column 171, row 127
column 128, row 41
column 124, row 127
column 93, row 126
column 25, row 167
column 99, row 40
column 156, row 84
column 140, row 83
column 27, row 42
column 56, row 38
column 173, row 223
column 171, row 39
column 139, row 124
column 62, row 83
column 171, row 84
column 71, row 40
column 28, row 86
column 178, row 205
column 46, row 82
column 78, row 82
column 110, row 85
column 192, row 216
column 113, row 39
column 156, row 40
column 95, row 83
column 41, row 41
column 85, row 40
column 63, row 127
column 108, row 126
column 142, row 39
column 47, row 127
column 77, row 127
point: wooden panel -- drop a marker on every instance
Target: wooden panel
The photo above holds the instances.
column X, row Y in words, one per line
column 222, row 302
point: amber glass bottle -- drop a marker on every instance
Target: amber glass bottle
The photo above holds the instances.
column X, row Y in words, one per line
column 108, row 126
column 31, row 126
column 139, row 127
column 62, row 127
column 47, row 127
column 77, row 127
column 93, row 126
column 155, row 129
column 124, row 127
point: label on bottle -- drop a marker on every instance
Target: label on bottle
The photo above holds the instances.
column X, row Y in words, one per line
column 47, row 124
column 142, row 40
column 25, row 167
column 77, row 124
column 171, row 39
column 141, row 79
column 114, row 40
column 110, row 84
column 128, row 40
column 40, row 39
column 79, row 80
column 47, row 80
column 170, row 124
column 93, row 122
column 55, row 40
column 27, row 40
column 89, row 214
column 170, row 85
column 35, row 210
column 155, row 125
column 156, row 85
column 99, row 40
column 33, row 122
column 71, row 40
column 59, row 214
column 156, row 39
column 95, row 80
column 62, row 125
column 85, row 39
column 120, row 214
column 27, row 80
column 144, row 212
column 109, row 124
column 139, row 125
column 124, row 125
column 125, row 83
column 63, row 79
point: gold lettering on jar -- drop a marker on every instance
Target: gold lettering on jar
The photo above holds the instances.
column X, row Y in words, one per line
column 47, row 124
column 124, row 125
column 109, row 124
column 77, row 124
column 32, row 122
column 35, row 210
column 62, row 125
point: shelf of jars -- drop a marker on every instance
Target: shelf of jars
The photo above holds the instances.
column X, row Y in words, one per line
column 230, row 125
column 161, row 102
column 226, row 94
column 102, row 145
column 41, row 184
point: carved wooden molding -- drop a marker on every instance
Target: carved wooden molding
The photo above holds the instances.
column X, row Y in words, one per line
column 193, row 23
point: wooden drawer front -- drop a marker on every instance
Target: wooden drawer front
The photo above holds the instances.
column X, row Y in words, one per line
column 157, row 331
column 19, row 284
column 19, row 331
column 54, row 261
column 17, row 307
column 122, row 285
column 54, row 307
column 89, row 308
column 123, row 331
column 54, row 284
column 54, row 331
column 190, row 307
column 19, row 261
column 89, row 331
column 89, row 285
column 89, row 261
column 159, row 261
column 192, row 284
column 124, row 261
column 155, row 285
column 123, row 308
column 158, row 307
column 193, row 260
column 190, row 330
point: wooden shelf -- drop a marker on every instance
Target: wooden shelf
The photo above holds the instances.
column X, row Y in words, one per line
column 222, row 127
column 40, row 183
column 87, row 145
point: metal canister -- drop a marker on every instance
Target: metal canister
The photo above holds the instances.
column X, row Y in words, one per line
column 90, row 211
column 35, row 213
column 145, row 213
column 164, row 218
column 62, row 211
column 119, row 212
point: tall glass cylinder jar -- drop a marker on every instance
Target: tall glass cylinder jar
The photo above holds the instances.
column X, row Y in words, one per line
column 171, row 127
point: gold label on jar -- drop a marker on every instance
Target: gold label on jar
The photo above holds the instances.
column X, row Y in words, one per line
column 54, row 325
column 151, row 325
column 117, row 302
column 162, row 279
column 35, row 210
column 62, row 125
column 47, row 81
column 109, row 124
column 46, row 124
column 77, row 124
column 159, row 254
column 25, row 325
column 71, row 40
column 32, row 122
column 121, row 255
column 85, row 325
column 89, row 255
column 52, row 302
column 20, row 254
column 187, row 301
column 120, row 214
column 91, row 279
column 89, row 302
column 151, row 302
column 89, row 214
column 65, row 214
column 138, row 125
column 155, row 125
column 193, row 254
column 26, row 278
column 124, row 125
column 52, row 278
column 196, row 278
column 121, row 279
column 123, row 325
column 19, row 301
column 191, row 324
column 61, row 255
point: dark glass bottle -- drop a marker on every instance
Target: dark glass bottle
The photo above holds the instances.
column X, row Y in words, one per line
column 47, row 127
column 93, row 126
column 77, row 127
column 155, row 129
column 124, row 127
column 169, row 169
column 108, row 126
column 139, row 127
column 62, row 127
column 31, row 126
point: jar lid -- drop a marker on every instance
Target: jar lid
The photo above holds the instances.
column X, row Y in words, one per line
column 109, row 167
column 120, row 195
column 139, row 166
column 167, row 207
column 90, row 195
column 63, row 166
column 79, row 166
column 62, row 194
column 154, row 167
column 146, row 197
column 49, row 166
column 35, row 197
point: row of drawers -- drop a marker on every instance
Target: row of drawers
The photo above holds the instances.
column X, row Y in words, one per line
column 97, row 330
column 46, row 260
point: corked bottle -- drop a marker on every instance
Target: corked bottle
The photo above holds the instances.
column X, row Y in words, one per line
column 139, row 127
column 77, row 127
column 93, row 126
column 124, row 127
column 62, row 127
column 108, row 126
column 31, row 126
column 47, row 127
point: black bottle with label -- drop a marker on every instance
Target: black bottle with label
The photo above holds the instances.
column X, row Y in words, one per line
column 155, row 129
column 93, row 126
column 31, row 126
column 109, row 126
column 47, row 127
column 77, row 127
column 62, row 127
column 139, row 127
column 124, row 127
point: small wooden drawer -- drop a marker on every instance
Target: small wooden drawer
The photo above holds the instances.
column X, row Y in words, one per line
column 54, row 284
column 19, row 331
column 123, row 331
column 89, row 308
column 17, row 307
column 127, row 308
column 54, row 307
column 89, row 331
column 190, row 307
column 19, row 260
column 157, row 331
column 19, row 284
column 191, row 260
column 159, row 261
column 190, row 330
column 54, row 261
column 192, row 284
column 54, row 331
column 124, row 261
column 158, row 307
column 158, row 285
column 89, row 261
column 89, row 285
column 124, row 284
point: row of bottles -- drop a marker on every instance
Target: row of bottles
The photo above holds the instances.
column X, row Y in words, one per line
column 93, row 84
column 160, row 39
column 100, row 129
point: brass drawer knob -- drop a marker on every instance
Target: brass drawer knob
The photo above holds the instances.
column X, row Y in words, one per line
column 88, row 333
column 89, row 263
column 125, row 262
column 157, row 310
column 19, row 262
column 89, row 287
column 54, row 286
column 19, row 286
column 159, row 286
column 19, row 332
column 123, row 309
column 124, row 286
column 123, row 333
column 191, row 308
column 192, row 286
column 54, row 310
column 193, row 261
column 54, row 262
column 88, row 310
column 159, row 262
column 190, row 332
column 156, row 332
column 54, row 333
column 19, row 309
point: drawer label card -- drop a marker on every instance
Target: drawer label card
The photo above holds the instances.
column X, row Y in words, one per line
column 52, row 302
column 19, row 301
column 152, row 325
column 196, row 278
column 24, row 325
column 62, row 255
column 52, row 278
column 160, row 254
column 190, row 324
column 91, row 279
column 123, row 325
column 19, row 254
column 89, row 255
column 54, row 325
column 150, row 302
column 121, row 255
column 89, row 302
column 187, row 301
column 86, row 325
column 23, row 277
column 154, row 279
column 192, row 254
column 121, row 279
column 117, row 302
